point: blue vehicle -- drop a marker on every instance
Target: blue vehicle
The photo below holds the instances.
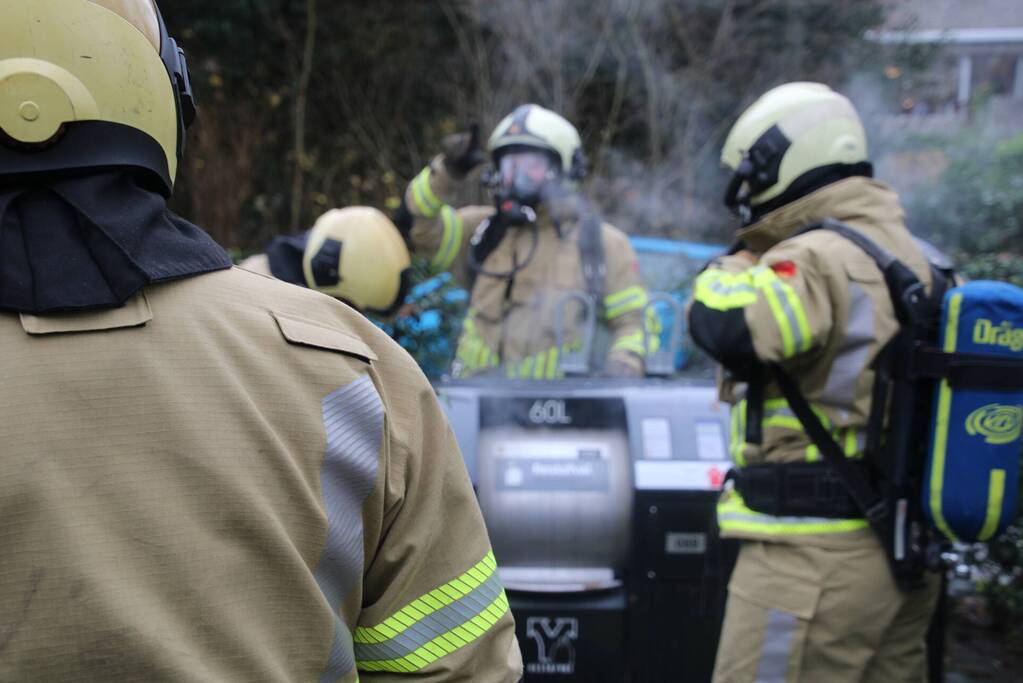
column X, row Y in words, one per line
column 438, row 304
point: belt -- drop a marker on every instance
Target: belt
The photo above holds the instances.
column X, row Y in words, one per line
column 798, row 489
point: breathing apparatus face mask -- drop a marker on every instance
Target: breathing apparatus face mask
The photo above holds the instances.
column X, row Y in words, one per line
column 520, row 183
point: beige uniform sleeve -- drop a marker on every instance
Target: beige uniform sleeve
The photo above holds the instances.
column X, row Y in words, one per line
column 440, row 232
column 433, row 605
column 784, row 303
column 792, row 314
column 625, row 303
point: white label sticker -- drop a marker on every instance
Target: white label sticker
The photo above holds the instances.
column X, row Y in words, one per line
column 656, row 433
column 677, row 475
column 710, row 441
column 553, row 450
column 685, row 544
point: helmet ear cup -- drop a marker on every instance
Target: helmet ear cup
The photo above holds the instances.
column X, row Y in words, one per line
column 580, row 166
column 173, row 58
column 326, row 264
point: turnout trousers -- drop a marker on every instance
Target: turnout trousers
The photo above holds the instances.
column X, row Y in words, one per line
column 806, row 613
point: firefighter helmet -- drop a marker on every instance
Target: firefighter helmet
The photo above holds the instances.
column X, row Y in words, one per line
column 88, row 84
column 787, row 141
column 356, row 254
column 533, row 126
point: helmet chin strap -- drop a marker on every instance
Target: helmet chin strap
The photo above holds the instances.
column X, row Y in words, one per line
column 746, row 214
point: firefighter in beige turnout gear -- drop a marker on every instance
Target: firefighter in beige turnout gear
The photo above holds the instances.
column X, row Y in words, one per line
column 528, row 252
column 812, row 597
column 205, row 474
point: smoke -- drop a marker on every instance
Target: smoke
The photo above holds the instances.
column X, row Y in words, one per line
column 921, row 129
column 654, row 86
column 648, row 113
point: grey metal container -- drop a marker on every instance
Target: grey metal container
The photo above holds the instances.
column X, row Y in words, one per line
column 556, row 500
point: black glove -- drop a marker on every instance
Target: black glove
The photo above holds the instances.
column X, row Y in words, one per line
column 462, row 152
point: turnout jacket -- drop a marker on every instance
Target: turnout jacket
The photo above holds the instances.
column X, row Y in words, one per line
column 257, row 263
column 511, row 323
column 233, row 479
column 817, row 304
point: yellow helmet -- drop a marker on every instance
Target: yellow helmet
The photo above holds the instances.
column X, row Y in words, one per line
column 90, row 84
column 531, row 125
column 791, row 141
column 356, row 254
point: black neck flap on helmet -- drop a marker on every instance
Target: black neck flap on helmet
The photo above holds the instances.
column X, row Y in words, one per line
column 91, row 145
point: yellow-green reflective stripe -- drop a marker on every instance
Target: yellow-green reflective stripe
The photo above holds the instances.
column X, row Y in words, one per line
column 738, row 444
column 423, row 195
column 472, row 350
column 780, row 319
column 429, row 603
column 851, row 446
column 795, row 306
column 723, row 291
column 632, row 342
column 625, row 301
column 552, row 363
column 941, row 428
column 733, row 515
column 427, row 190
column 427, row 628
column 787, row 310
column 444, row 644
column 451, row 242
column 618, row 297
column 541, row 365
column 653, row 327
column 784, row 422
column 995, row 497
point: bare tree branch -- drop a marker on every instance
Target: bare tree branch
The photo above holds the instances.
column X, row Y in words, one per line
column 301, row 97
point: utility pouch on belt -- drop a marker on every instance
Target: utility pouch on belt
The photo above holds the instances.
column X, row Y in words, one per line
column 947, row 373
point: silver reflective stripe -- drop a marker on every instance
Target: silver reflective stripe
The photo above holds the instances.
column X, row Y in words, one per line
column 774, row 656
column 797, row 333
column 778, row 412
column 718, row 288
column 774, row 521
column 353, row 418
column 851, row 360
column 433, row 625
column 634, row 301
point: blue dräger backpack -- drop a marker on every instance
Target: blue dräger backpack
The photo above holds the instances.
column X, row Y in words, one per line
column 954, row 373
column 971, row 483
